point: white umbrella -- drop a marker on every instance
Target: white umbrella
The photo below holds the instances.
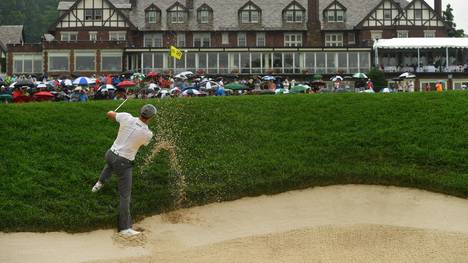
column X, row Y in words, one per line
column 407, row 75
column 209, row 85
column 184, row 75
column 191, row 92
column 42, row 85
column 268, row 78
column 336, row 78
column 67, row 82
column 83, row 81
column 107, row 87
column 174, row 90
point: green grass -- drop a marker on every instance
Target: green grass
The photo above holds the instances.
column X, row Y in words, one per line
column 231, row 147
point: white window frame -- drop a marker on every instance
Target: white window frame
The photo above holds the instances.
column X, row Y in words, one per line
column 58, row 54
column 247, row 14
column 225, row 38
column 117, row 35
column 93, row 36
column 204, row 16
column 152, row 16
column 81, row 53
column 293, row 39
column 67, row 36
column 181, row 40
column 260, row 39
column 19, row 57
column 334, row 40
column 402, row 34
column 291, row 14
column 241, row 39
column 155, row 38
column 113, row 54
column 429, row 33
column 202, row 37
column 177, row 15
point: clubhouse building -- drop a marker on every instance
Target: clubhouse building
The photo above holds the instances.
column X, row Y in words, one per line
column 241, row 37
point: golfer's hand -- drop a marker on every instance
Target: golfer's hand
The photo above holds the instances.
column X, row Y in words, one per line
column 111, row 115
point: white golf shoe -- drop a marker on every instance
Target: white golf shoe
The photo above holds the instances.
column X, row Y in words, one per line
column 97, row 187
column 129, row 232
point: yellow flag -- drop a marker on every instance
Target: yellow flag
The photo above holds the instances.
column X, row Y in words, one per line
column 175, row 52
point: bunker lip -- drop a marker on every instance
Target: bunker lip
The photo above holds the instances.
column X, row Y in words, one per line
column 325, row 223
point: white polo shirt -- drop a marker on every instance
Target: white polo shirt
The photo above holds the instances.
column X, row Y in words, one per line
column 133, row 133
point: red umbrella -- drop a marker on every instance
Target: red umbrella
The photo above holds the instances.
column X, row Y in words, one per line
column 126, row 84
column 152, row 75
column 44, row 94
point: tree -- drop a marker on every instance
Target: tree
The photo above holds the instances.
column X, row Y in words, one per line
column 378, row 78
column 449, row 17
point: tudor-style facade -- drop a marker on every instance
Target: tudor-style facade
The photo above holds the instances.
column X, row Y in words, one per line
column 224, row 37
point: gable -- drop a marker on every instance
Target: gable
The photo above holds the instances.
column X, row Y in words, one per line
column 419, row 13
column 383, row 15
column 93, row 13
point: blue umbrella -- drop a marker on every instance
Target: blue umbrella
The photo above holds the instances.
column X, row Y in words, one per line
column 83, row 81
column 268, row 78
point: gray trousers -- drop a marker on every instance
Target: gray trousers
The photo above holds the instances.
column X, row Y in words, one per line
column 123, row 168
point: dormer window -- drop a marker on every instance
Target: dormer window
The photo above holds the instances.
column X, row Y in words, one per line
column 250, row 14
column 335, row 12
column 177, row 14
column 152, row 15
column 204, row 14
column 294, row 13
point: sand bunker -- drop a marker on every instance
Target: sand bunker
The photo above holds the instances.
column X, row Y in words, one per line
column 352, row 223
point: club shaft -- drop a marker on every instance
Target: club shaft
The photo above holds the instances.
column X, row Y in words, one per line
column 121, row 105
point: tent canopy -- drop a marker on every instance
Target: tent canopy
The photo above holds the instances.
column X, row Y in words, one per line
column 421, row 43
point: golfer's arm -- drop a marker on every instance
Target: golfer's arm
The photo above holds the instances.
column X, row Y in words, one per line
column 111, row 115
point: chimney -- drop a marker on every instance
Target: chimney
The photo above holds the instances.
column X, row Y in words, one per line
column 438, row 7
column 189, row 4
column 314, row 28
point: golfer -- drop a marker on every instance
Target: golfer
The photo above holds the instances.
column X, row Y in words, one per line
column 133, row 133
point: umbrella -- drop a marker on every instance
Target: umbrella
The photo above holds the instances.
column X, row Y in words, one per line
column 317, row 77
column 360, row 76
column 337, row 78
column 126, row 84
column 24, row 83
column 174, row 91
column 44, row 94
column 184, row 75
column 212, row 85
column 137, row 76
column 279, row 91
column 67, row 83
column 106, row 87
column 83, row 81
column 152, row 74
column 300, row 89
column 407, row 75
column 268, row 78
column 235, row 86
column 42, row 86
column 191, row 92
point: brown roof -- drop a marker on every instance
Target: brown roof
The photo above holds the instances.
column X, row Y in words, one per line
column 10, row 35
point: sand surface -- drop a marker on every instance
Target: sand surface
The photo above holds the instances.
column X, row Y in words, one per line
column 352, row 223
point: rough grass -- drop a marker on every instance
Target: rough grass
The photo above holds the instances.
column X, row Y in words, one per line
column 51, row 154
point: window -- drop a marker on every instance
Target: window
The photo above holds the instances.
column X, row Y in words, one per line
column 85, row 61
column 27, row 63
column 387, row 14
column 93, row 36
column 69, row 36
column 241, row 39
column 181, row 40
column 177, row 14
column 429, row 33
column 351, row 38
column 261, row 42
column 225, row 38
column 117, row 36
column 376, row 34
column 58, row 61
column 250, row 14
column 335, row 12
column 294, row 13
column 205, row 14
column 93, row 14
column 111, row 61
column 402, row 33
column 293, row 40
column 417, row 14
column 153, row 40
column 334, row 40
column 202, row 40
column 153, row 15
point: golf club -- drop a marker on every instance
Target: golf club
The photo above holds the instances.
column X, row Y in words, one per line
column 121, row 105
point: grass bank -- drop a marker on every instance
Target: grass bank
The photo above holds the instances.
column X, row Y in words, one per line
column 227, row 148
